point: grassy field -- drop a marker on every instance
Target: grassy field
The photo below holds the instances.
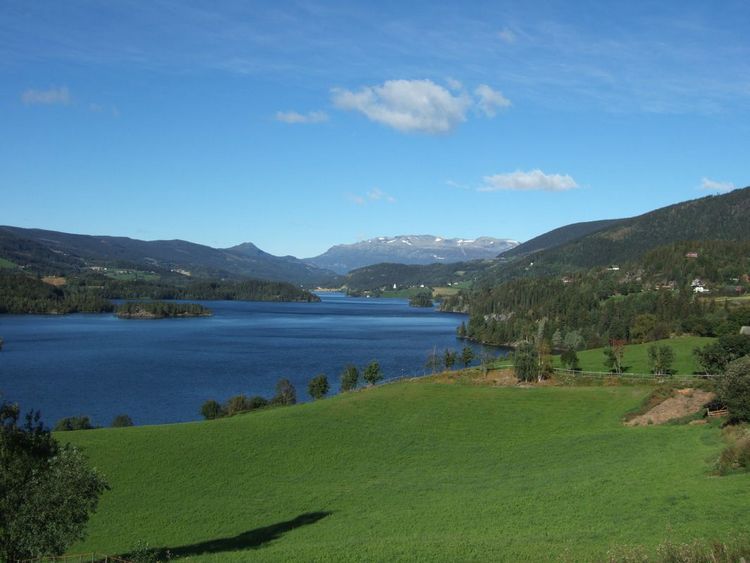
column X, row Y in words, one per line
column 7, row 264
column 636, row 356
column 415, row 471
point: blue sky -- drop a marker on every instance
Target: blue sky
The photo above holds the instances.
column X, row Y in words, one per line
column 299, row 125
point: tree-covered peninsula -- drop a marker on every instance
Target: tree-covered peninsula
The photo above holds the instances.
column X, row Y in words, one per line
column 22, row 293
column 161, row 310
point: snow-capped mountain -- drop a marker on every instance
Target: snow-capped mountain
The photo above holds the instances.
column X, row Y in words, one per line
column 409, row 249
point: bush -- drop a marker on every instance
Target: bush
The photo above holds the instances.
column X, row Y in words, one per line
column 73, row 423
column 373, row 373
column 286, row 394
column 714, row 357
column 318, row 386
column 735, row 456
column 257, row 402
column 350, row 378
column 121, row 421
column 526, row 362
column 734, row 389
column 211, row 410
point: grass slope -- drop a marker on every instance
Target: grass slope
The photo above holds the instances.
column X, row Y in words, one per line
column 415, row 471
column 636, row 355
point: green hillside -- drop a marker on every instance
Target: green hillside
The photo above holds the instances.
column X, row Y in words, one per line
column 415, row 471
column 636, row 355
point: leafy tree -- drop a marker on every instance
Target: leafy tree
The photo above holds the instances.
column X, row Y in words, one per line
column 349, row 378
column 286, row 394
column 614, row 355
column 467, row 355
column 236, row 405
column 569, row 359
column 526, row 361
column 661, row 358
column 256, row 402
column 47, row 492
column 318, row 386
column 734, row 389
column 212, row 409
column 372, row 373
column 449, row 359
column 434, row 362
column 715, row 356
column 557, row 339
column 121, row 421
column 73, row 423
column 461, row 331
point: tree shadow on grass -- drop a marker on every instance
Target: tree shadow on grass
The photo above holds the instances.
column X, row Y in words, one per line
column 252, row 539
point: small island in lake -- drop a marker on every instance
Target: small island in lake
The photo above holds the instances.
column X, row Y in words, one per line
column 161, row 310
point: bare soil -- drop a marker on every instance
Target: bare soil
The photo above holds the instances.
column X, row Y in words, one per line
column 682, row 403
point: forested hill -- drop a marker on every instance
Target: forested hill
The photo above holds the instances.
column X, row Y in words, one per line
column 722, row 217
column 21, row 293
column 559, row 236
column 580, row 246
column 51, row 252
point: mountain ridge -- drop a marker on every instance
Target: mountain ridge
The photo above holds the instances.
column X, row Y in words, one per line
column 410, row 250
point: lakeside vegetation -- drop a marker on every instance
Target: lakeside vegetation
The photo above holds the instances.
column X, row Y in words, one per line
column 21, row 293
column 416, row 470
column 160, row 310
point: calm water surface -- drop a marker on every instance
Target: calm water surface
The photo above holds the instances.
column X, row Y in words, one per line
column 163, row 370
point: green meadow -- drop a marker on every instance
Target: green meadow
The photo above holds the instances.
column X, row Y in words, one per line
column 416, row 471
column 636, row 355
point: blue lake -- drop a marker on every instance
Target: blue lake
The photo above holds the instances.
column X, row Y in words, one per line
column 162, row 371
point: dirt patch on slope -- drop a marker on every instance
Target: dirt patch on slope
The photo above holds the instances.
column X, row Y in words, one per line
column 683, row 402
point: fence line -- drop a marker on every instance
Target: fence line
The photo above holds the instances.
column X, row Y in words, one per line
column 76, row 558
column 627, row 375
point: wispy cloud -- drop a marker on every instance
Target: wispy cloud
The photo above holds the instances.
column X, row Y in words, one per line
column 373, row 195
column 716, row 186
column 305, row 118
column 506, row 35
column 533, row 180
column 103, row 108
column 53, row 96
column 420, row 106
column 489, row 100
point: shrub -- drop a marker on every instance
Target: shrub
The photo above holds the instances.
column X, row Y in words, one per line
column 73, row 423
column 714, row 357
column 286, row 394
column 734, row 389
column 569, row 358
column 257, row 402
column 526, row 362
column 121, row 421
column 349, row 378
column 373, row 373
column 318, row 386
column 211, row 410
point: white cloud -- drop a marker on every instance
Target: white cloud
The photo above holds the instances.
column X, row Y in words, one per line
column 60, row 96
column 715, row 186
column 375, row 194
column 490, row 100
column 294, row 117
column 407, row 105
column 534, row 180
column 506, row 35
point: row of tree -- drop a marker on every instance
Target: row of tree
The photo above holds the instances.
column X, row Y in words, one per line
column 286, row 394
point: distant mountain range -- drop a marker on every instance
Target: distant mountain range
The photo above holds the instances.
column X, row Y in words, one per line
column 409, row 249
column 51, row 252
